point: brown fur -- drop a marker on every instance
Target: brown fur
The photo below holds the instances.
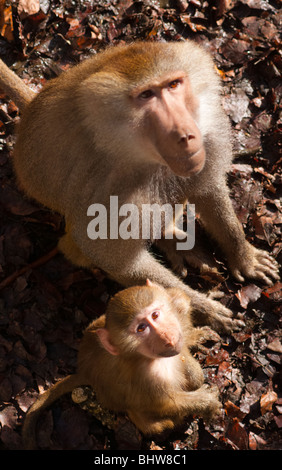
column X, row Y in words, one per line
column 82, row 140
column 157, row 393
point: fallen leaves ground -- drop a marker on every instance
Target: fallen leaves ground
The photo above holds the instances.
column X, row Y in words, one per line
column 45, row 308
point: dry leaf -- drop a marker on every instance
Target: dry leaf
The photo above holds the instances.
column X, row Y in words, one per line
column 267, row 400
column 237, row 434
column 255, row 441
column 233, row 411
column 28, row 7
column 275, row 345
column 6, row 22
column 247, row 294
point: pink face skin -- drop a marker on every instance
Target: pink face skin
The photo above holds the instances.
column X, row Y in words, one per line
column 169, row 112
column 157, row 331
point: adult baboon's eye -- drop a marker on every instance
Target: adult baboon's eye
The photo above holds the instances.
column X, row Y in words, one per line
column 175, row 83
column 145, row 95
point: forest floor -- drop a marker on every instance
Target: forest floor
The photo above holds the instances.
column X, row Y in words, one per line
column 44, row 308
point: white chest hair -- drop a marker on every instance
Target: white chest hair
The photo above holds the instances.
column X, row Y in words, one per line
column 168, row 370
